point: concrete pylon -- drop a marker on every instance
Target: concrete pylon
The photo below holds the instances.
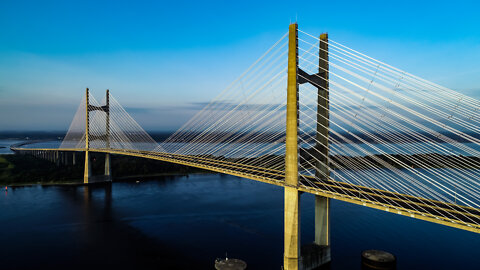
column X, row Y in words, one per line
column 318, row 253
column 292, row 198
column 322, row 204
column 87, row 170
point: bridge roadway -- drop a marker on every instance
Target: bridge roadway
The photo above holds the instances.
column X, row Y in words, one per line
column 453, row 215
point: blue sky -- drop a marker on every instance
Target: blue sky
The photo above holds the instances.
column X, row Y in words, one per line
column 161, row 58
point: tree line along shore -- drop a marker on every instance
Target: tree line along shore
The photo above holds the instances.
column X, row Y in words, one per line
column 26, row 169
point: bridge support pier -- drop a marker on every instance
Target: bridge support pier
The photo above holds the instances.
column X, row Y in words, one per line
column 57, row 158
column 322, row 221
column 292, row 228
column 108, row 170
column 88, row 169
column 73, row 158
column 317, row 253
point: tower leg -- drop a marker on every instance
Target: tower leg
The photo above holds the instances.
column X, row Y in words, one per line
column 292, row 198
column 87, row 172
column 108, row 170
column 317, row 253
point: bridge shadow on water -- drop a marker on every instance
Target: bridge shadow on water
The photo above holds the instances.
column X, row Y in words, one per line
column 95, row 238
column 110, row 241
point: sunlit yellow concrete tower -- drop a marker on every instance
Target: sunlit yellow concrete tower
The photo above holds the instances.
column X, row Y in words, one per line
column 87, row 172
column 292, row 199
column 317, row 253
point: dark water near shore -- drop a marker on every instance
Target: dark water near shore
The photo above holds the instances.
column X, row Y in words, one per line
column 186, row 222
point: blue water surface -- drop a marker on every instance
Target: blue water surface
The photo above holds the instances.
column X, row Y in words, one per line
column 187, row 222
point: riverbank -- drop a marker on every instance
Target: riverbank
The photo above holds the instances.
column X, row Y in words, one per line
column 24, row 170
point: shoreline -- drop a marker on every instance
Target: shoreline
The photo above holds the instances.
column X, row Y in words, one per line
column 129, row 178
column 25, row 170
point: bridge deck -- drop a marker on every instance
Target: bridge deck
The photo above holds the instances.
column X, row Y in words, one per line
column 453, row 215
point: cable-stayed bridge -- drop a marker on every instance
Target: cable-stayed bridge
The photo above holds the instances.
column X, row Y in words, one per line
column 313, row 115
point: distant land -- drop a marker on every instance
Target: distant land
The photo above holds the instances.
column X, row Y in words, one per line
column 28, row 170
column 58, row 135
column 350, row 137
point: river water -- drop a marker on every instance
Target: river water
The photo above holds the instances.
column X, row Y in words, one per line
column 187, row 222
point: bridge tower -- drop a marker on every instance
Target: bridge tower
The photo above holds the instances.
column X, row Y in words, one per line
column 106, row 137
column 318, row 253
